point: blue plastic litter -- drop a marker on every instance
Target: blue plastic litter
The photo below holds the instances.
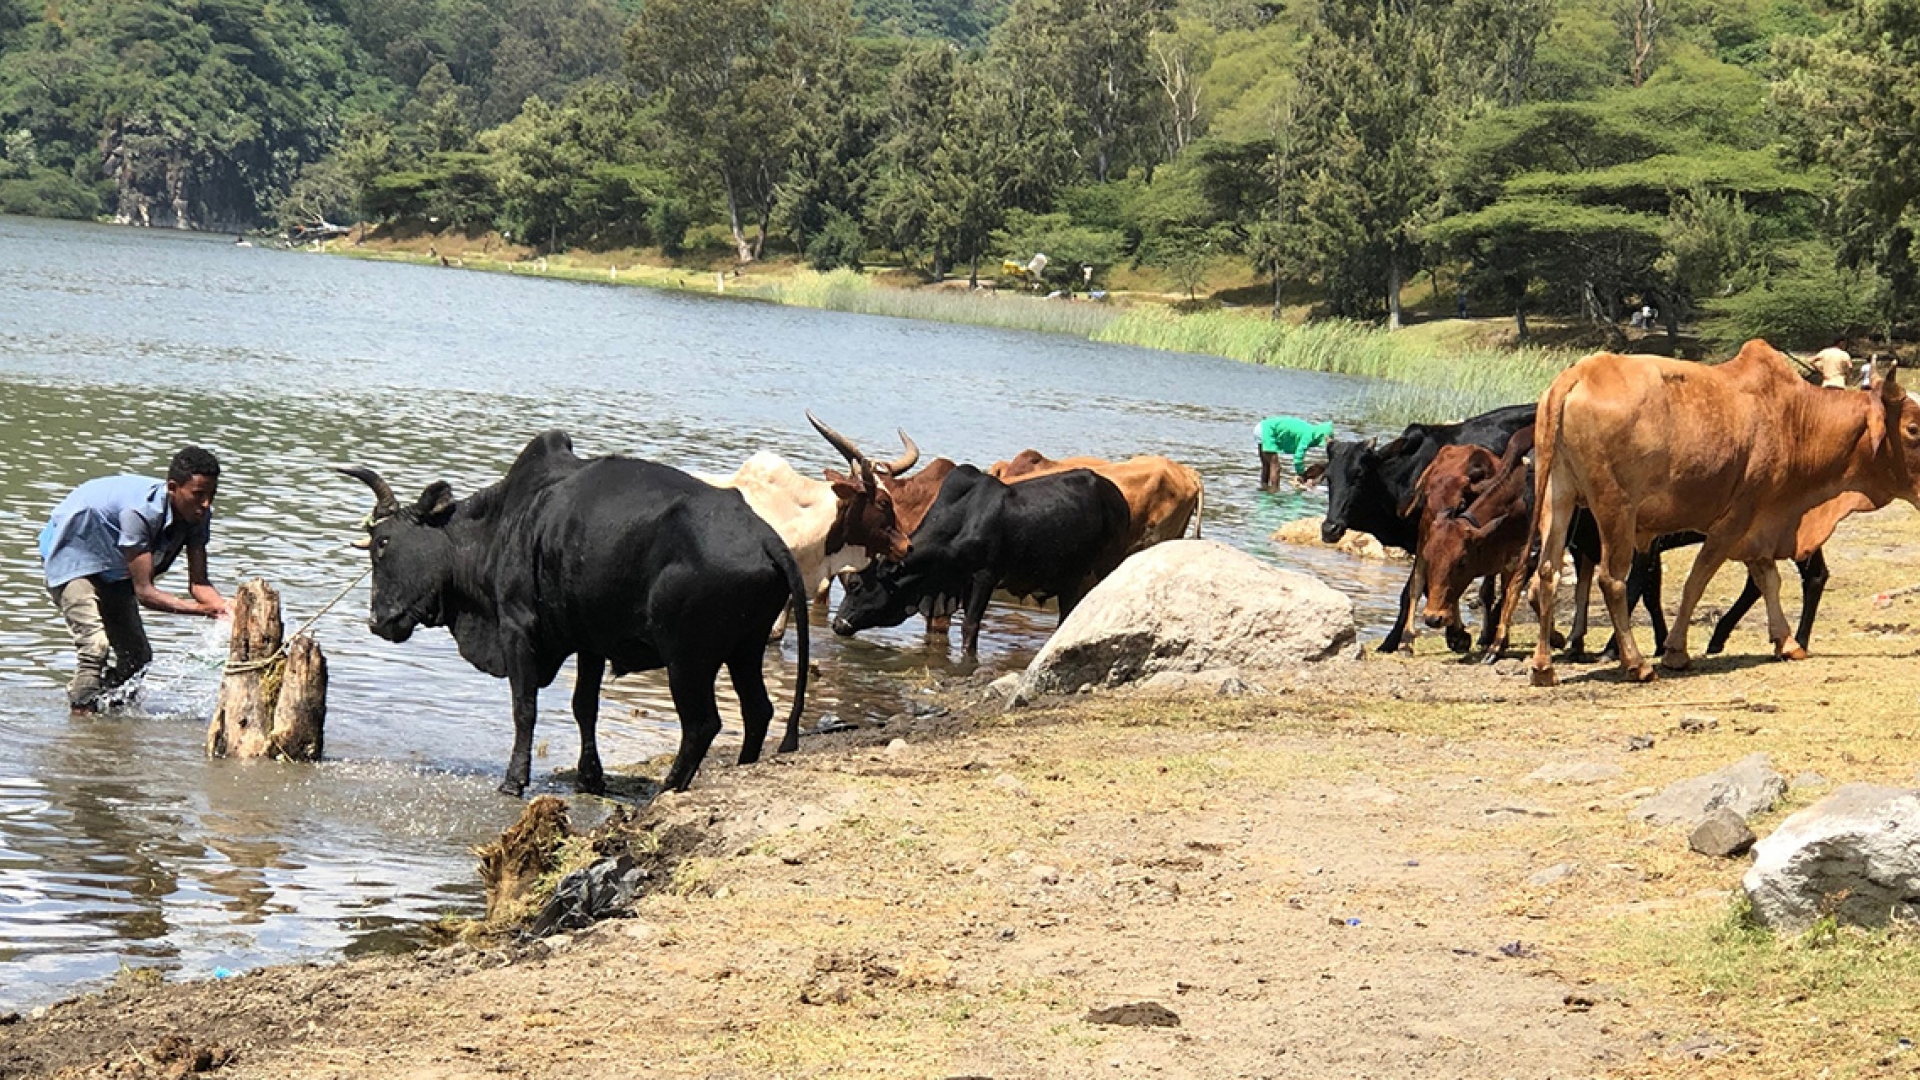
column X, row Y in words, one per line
column 222, row 973
column 1353, row 922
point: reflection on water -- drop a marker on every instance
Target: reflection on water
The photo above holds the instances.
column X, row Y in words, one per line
column 119, row 841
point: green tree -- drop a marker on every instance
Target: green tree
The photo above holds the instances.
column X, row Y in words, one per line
column 1095, row 56
column 731, row 77
column 1848, row 103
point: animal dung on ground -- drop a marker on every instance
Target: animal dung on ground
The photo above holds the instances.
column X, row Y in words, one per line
column 273, row 696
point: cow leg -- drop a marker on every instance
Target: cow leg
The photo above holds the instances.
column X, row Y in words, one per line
column 1582, row 600
column 589, row 670
column 692, row 686
column 756, row 707
column 1404, row 616
column 1767, row 573
column 978, row 593
column 1616, row 566
column 1553, row 515
column 1813, row 585
column 1648, row 567
column 1416, row 592
column 1723, row 629
column 1487, row 603
column 526, row 691
column 1712, row 554
column 1515, row 583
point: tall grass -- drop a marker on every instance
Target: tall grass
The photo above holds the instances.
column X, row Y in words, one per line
column 847, row 290
column 1416, row 381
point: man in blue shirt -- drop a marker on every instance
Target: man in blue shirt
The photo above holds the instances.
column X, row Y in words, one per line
column 103, row 547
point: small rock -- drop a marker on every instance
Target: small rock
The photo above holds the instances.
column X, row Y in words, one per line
column 1555, row 873
column 1724, row 834
column 896, row 747
column 1747, row 787
column 1011, row 784
column 1809, row 780
column 1135, row 1014
column 1698, row 723
column 1004, row 685
column 1045, row 875
column 1639, row 742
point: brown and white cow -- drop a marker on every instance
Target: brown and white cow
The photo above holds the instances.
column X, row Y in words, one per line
column 1163, row 496
column 830, row 526
column 1740, row 451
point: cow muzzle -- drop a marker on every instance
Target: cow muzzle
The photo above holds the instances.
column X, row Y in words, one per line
column 1332, row 534
column 1433, row 621
column 843, row 627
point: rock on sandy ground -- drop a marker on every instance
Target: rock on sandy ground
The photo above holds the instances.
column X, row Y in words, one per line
column 1190, row 606
column 1306, row 532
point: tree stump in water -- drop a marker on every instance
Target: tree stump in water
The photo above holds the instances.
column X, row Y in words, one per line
column 528, row 850
column 270, row 705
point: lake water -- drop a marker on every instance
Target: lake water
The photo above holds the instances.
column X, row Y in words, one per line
column 122, row 845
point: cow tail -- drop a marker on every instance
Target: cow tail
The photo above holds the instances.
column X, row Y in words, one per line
column 1546, row 446
column 1199, row 504
column 798, row 587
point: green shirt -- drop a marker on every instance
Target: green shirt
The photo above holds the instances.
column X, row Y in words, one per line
column 1294, row 436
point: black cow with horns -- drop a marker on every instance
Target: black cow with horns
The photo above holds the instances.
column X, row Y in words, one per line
column 616, row 560
column 1055, row 536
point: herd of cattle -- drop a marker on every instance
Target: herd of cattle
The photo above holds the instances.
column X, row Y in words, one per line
column 634, row 565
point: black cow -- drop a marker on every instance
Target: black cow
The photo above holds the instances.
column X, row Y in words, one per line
column 1056, row 535
column 618, row 560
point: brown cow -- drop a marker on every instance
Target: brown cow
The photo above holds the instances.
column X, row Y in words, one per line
column 1478, row 527
column 1741, row 451
column 1162, row 495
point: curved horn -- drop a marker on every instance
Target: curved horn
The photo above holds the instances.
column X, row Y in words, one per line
column 905, row 461
column 383, row 500
column 840, row 442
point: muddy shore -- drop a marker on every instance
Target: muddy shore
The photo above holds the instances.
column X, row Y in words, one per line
column 1349, row 873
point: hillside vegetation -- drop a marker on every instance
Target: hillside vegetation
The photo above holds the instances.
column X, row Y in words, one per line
column 1736, row 167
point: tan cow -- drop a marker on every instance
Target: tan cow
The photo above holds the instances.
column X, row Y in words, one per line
column 1163, row 496
column 1741, row 452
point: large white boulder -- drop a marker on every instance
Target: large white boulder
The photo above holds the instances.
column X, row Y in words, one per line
column 1190, row 606
column 1855, row 853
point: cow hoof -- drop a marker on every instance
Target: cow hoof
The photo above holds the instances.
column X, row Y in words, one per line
column 1674, row 660
column 1459, row 640
column 1391, row 644
column 1716, row 647
column 1492, row 656
column 1578, row 656
column 1405, row 649
column 1643, row 674
column 1789, row 649
column 512, row 789
column 1543, row 677
column 594, row 785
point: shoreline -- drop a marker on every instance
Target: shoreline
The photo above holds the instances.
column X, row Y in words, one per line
column 1352, row 870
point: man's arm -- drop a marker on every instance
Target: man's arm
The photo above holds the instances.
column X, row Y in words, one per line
column 140, row 568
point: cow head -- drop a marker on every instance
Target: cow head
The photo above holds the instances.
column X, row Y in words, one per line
column 880, row 595
column 1348, row 464
column 1024, row 462
column 412, row 556
column 866, row 518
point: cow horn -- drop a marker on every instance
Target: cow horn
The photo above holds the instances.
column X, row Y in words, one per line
column 905, row 461
column 383, row 501
column 840, row 442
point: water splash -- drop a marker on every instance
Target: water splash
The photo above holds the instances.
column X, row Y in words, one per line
column 182, row 685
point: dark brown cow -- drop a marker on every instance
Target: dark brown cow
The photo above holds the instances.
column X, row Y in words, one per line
column 1741, row 452
column 1478, row 525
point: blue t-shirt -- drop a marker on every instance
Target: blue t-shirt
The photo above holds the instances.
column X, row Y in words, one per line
column 102, row 523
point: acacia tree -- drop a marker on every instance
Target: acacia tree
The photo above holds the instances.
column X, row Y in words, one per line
column 731, row 76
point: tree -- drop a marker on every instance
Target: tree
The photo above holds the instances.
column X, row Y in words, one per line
column 1095, row 56
column 731, row 77
column 1847, row 104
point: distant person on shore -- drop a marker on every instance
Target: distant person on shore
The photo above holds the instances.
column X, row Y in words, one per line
column 1833, row 364
column 1292, row 436
column 103, row 547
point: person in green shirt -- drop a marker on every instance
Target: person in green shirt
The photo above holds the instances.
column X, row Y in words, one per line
column 1292, row 436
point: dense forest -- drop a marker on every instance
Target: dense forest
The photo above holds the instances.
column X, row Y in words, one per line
column 1739, row 162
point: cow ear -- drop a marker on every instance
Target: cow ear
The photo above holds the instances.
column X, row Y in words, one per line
column 835, row 476
column 1419, row 491
column 436, row 503
column 1394, row 447
column 1486, row 530
column 1890, row 391
column 845, row 489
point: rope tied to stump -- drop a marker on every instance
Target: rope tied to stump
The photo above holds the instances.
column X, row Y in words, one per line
column 279, row 655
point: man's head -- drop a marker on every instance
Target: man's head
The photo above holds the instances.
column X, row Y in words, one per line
column 193, row 479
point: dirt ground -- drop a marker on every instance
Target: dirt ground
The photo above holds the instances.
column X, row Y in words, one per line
column 1348, row 873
